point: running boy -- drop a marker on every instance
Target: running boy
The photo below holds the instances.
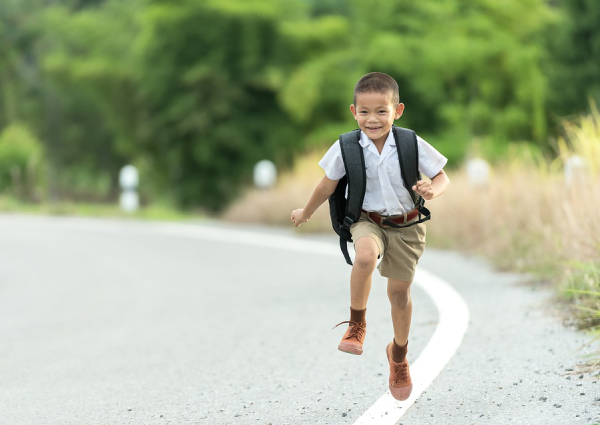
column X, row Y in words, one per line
column 376, row 106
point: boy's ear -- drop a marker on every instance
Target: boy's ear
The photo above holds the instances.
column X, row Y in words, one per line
column 399, row 110
column 353, row 110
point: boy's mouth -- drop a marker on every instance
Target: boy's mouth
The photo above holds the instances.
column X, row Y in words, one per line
column 373, row 128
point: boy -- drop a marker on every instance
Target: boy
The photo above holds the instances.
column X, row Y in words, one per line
column 376, row 105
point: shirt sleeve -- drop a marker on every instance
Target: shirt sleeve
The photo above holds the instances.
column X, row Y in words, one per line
column 431, row 162
column 332, row 162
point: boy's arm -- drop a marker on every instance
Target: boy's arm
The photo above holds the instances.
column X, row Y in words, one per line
column 321, row 193
column 439, row 184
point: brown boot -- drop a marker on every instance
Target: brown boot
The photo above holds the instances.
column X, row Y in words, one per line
column 353, row 339
column 400, row 382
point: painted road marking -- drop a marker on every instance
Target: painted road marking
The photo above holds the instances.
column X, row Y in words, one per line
column 453, row 310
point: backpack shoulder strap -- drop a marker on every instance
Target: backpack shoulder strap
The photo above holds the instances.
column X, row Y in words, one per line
column 354, row 163
column 408, row 155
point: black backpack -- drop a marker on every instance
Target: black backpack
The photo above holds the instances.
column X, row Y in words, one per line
column 344, row 212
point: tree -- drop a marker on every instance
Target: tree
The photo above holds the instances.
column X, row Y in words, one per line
column 89, row 79
column 18, row 32
column 209, row 74
column 467, row 68
column 575, row 65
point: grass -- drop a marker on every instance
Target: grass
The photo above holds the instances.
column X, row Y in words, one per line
column 527, row 218
column 274, row 206
column 153, row 212
column 582, row 290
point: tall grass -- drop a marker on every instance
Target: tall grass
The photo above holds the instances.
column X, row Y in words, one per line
column 274, row 206
column 527, row 218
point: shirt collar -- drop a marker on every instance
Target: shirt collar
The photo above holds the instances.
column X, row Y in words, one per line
column 365, row 141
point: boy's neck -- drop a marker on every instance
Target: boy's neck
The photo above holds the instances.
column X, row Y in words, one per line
column 380, row 143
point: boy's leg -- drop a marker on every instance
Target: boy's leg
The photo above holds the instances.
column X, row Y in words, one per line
column 365, row 260
column 403, row 252
column 400, row 382
column 401, row 302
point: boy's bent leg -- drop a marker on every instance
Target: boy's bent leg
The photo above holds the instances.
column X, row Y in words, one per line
column 365, row 260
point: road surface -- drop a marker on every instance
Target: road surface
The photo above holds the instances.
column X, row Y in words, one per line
column 126, row 322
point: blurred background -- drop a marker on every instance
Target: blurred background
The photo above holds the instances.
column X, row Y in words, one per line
column 193, row 93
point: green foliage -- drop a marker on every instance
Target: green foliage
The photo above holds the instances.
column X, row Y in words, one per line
column 91, row 86
column 575, row 48
column 464, row 67
column 18, row 33
column 196, row 92
column 209, row 80
column 20, row 162
column 583, row 289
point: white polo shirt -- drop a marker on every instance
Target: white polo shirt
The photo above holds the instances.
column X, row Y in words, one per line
column 385, row 194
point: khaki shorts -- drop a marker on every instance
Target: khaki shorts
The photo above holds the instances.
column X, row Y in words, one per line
column 400, row 248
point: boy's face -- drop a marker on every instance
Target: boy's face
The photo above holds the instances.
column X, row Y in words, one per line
column 375, row 113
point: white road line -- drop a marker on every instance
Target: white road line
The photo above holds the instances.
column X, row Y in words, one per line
column 453, row 311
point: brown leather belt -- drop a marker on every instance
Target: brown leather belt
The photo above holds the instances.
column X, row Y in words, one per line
column 396, row 219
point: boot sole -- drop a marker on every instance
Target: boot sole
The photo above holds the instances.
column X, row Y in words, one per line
column 350, row 349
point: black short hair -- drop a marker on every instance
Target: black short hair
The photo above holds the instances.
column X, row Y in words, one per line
column 377, row 82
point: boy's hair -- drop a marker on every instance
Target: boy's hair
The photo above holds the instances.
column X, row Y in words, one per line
column 377, row 82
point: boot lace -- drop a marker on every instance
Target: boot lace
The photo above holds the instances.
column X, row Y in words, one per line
column 356, row 330
column 400, row 372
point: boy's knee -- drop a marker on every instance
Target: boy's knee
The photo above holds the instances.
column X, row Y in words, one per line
column 399, row 296
column 366, row 257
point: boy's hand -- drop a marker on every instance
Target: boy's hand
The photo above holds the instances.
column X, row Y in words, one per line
column 298, row 217
column 424, row 189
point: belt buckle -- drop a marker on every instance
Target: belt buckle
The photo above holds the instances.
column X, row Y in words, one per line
column 384, row 218
column 398, row 219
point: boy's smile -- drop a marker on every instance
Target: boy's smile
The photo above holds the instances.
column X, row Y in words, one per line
column 375, row 113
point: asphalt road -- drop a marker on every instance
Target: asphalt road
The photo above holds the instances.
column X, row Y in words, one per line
column 116, row 322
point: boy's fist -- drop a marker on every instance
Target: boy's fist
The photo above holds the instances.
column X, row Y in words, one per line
column 298, row 217
column 424, row 189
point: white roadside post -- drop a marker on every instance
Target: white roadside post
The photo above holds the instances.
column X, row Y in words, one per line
column 576, row 170
column 265, row 174
column 478, row 172
column 129, row 180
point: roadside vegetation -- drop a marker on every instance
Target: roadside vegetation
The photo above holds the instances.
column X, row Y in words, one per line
column 195, row 92
column 9, row 204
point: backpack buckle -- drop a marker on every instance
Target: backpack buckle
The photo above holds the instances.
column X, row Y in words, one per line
column 348, row 221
